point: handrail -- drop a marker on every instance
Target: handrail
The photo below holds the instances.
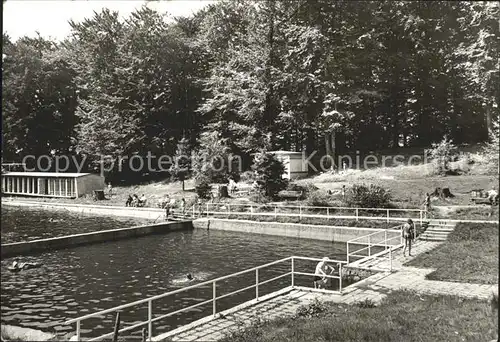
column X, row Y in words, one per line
column 142, row 301
column 214, row 298
column 313, row 207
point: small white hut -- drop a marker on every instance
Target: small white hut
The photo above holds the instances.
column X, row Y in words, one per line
column 295, row 163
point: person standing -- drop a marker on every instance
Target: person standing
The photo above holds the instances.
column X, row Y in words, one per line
column 183, row 207
column 166, row 203
column 427, row 202
column 408, row 234
column 110, row 190
column 200, row 207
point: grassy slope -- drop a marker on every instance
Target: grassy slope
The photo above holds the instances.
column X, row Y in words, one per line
column 469, row 255
column 408, row 184
column 402, row 316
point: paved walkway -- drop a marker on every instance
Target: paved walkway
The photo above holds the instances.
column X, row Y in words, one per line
column 373, row 288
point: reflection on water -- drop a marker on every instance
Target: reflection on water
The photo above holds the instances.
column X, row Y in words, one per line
column 21, row 224
column 86, row 279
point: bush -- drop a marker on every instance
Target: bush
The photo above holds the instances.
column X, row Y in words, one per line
column 372, row 196
column 203, row 189
column 366, row 304
column 311, row 310
column 319, row 199
column 269, row 174
column 258, row 198
column 442, row 154
column 247, row 176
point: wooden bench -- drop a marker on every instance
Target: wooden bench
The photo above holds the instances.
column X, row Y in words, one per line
column 288, row 194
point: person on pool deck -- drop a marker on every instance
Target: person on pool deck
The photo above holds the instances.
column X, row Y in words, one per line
column 189, row 277
column 321, row 271
column 408, row 234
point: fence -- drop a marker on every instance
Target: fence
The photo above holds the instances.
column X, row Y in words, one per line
column 389, row 240
column 270, row 210
column 213, row 283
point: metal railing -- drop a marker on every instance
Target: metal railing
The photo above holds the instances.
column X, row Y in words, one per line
column 300, row 211
column 213, row 283
column 388, row 239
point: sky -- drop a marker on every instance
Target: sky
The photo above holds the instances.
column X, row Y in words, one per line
column 50, row 18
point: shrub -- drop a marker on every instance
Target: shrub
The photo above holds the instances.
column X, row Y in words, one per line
column 442, row 154
column 372, row 196
column 269, row 174
column 319, row 199
column 247, row 176
column 203, row 188
column 258, row 198
column 313, row 309
column 366, row 304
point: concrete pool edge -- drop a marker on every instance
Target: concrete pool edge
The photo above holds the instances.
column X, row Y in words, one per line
column 296, row 230
column 141, row 213
column 62, row 242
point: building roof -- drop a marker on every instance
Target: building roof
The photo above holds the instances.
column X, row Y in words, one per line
column 46, row 174
column 286, row 152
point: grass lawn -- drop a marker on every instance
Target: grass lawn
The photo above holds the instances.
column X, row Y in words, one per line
column 469, row 255
column 402, row 316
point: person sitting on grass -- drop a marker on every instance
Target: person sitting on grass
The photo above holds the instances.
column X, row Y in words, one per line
column 135, row 200
column 322, row 268
column 408, row 234
column 142, row 201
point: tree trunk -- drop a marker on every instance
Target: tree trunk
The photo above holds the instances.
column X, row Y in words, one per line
column 489, row 121
column 328, row 148
column 334, row 155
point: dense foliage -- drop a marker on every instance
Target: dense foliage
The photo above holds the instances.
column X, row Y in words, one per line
column 291, row 75
column 269, row 171
column 372, row 196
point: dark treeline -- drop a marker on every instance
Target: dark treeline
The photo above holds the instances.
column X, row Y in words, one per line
column 294, row 75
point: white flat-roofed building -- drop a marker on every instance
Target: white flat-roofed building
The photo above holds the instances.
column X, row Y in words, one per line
column 295, row 163
column 51, row 184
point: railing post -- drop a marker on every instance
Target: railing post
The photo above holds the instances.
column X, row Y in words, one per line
column 207, row 209
column 300, row 213
column 357, row 214
column 257, row 284
column 347, row 253
column 78, row 330
column 421, row 221
column 293, row 271
column 228, row 210
column 214, row 295
column 328, row 213
column 340, row 277
column 150, row 318
column 275, row 212
column 390, row 259
column 387, row 215
column 251, row 211
column 369, row 245
column 385, row 240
